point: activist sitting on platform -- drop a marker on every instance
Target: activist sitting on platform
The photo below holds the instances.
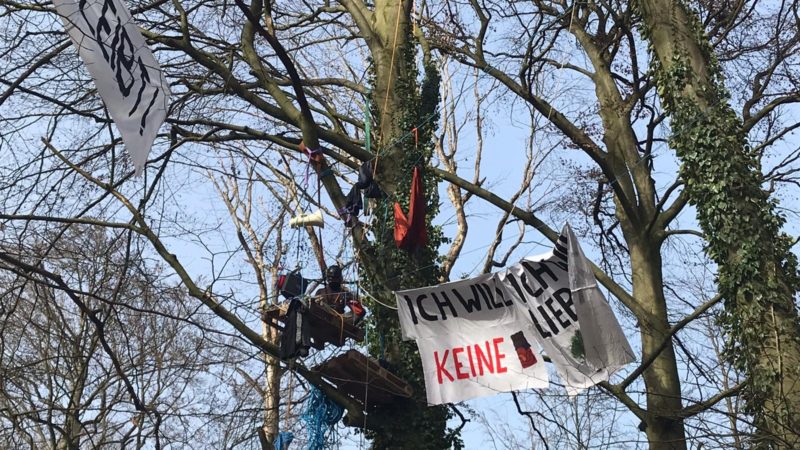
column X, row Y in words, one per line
column 337, row 296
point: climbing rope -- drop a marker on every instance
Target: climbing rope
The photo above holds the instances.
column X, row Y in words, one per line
column 321, row 415
column 366, row 345
column 283, row 440
column 367, row 123
column 341, row 327
column 389, row 82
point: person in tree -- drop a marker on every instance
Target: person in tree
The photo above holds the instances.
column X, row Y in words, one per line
column 335, row 295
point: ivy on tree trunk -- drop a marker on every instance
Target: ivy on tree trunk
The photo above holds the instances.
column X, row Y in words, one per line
column 406, row 423
column 757, row 272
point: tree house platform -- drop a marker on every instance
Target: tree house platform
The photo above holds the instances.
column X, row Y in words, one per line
column 325, row 324
column 358, row 375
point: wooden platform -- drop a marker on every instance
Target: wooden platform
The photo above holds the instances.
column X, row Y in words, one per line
column 356, row 375
column 325, row 324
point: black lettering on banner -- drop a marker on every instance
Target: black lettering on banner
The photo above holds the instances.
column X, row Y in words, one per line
column 490, row 295
column 564, row 298
column 411, row 309
column 557, row 310
column 146, row 78
column 545, row 334
column 515, row 284
column 121, row 62
column 107, row 4
column 442, row 304
column 121, row 58
column 478, row 293
column 538, row 271
column 147, row 112
column 521, row 284
column 104, row 28
column 502, row 296
column 556, row 313
column 560, row 264
column 424, row 314
column 560, row 249
column 547, row 319
column 528, row 288
column 471, row 304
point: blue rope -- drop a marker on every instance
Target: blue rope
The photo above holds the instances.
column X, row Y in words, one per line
column 321, row 414
column 284, row 439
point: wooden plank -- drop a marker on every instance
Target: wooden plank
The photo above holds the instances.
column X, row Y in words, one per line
column 385, row 379
column 336, row 329
column 325, row 324
column 275, row 315
column 363, row 378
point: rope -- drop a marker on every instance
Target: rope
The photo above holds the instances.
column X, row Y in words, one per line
column 289, row 399
column 314, row 155
column 366, row 393
column 366, row 377
column 283, row 440
column 321, row 415
column 391, row 71
column 341, row 327
column 323, row 265
column 384, row 304
column 367, row 123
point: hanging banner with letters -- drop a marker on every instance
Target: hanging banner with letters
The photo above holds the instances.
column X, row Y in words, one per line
column 480, row 336
column 127, row 76
column 573, row 321
column 472, row 339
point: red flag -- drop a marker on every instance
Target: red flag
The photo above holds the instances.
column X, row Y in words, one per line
column 410, row 232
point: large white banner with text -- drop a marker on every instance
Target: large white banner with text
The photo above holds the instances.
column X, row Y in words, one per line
column 480, row 336
column 127, row 76
column 472, row 339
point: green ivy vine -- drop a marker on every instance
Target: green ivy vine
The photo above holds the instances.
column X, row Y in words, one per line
column 757, row 272
column 407, row 424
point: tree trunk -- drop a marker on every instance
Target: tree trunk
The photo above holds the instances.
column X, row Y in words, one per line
column 386, row 30
column 664, row 428
column 635, row 199
column 272, row 395
column 758, row 275
column 82, row 349
column 398, row 107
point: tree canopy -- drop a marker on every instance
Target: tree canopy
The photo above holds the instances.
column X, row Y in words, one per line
column 662, row 130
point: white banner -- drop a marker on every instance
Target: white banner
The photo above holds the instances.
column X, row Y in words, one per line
column 480, row 336
column 472, row 340
column 127, row 76
column 573, row 321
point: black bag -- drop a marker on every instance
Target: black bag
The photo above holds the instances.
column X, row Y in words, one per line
column 295, row 339
column 291, row 285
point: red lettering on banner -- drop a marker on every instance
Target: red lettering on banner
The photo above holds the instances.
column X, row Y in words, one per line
column 440, row 366
column 461, row 375
column 488, row 359
column 471, row 362
column 482, row 359
column 498, row 356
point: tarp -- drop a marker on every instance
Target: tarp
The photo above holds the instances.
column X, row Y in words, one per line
column 127, row 76
column 550, row 301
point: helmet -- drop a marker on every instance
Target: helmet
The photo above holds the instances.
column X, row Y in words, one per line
column 333, row 274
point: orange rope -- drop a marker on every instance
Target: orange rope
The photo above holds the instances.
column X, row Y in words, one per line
column 389, row 83
column 341, row 328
